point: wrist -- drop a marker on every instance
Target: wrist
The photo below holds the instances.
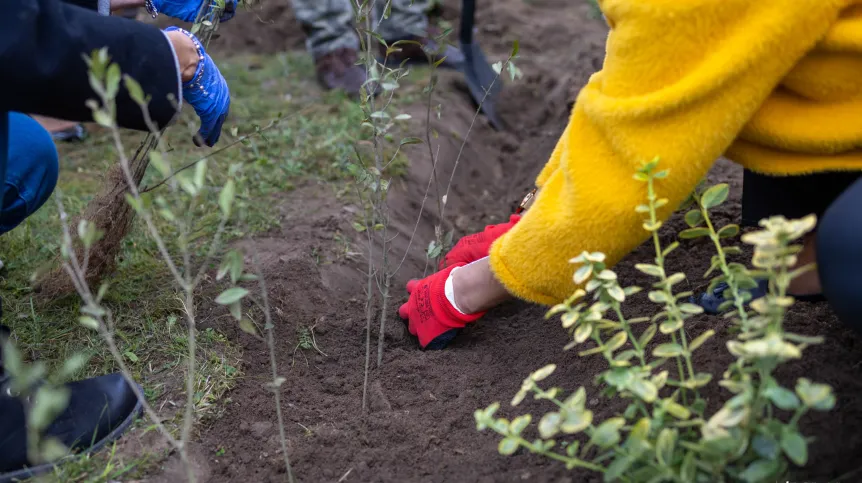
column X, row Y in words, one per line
column 187, row 52
column 476, row 289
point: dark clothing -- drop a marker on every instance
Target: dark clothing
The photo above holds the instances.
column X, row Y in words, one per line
column 41, row 48
column 791, row 196
column 836, row 199
column 839, row 255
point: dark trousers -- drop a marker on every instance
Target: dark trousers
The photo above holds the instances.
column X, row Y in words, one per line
column 836, row 198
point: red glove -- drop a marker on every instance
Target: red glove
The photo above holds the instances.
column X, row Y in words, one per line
column 474, row 247
column 432, row 318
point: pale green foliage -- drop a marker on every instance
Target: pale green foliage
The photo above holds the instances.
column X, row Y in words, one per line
column 667, row 432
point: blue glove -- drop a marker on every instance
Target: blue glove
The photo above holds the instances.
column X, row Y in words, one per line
column 207, row 93
column 187, row 10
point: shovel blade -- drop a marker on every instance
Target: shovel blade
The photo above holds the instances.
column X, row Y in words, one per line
column 482, row 81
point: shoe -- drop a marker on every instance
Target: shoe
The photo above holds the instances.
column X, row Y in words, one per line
column 100, row 410
column 711, row 301
column 338, row 70
column 427, row 46
column 75, row 133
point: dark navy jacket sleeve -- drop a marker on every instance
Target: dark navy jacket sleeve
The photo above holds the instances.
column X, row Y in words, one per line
column 42, row 44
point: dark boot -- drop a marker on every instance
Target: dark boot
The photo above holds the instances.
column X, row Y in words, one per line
column 338, row 70
column 419, row 51
column 99, row 411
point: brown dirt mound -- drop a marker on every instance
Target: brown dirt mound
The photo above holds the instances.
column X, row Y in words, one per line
column 420, row 427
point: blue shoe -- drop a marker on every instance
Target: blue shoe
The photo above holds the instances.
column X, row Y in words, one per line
column 711, row 301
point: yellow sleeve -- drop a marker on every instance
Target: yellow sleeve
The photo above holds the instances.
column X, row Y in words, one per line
column 680, row 80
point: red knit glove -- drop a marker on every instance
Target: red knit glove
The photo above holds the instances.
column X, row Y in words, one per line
column 432, row 318
column 474, row 247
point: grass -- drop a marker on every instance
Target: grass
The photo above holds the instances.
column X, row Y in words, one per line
column 313, row 140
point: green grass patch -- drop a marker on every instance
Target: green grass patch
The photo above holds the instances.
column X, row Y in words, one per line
column 314, row 139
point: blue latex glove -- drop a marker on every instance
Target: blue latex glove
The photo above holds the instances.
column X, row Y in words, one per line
column 207, row 93
column 187, row 10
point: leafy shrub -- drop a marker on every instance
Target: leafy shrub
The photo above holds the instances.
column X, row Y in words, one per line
column 665, row 433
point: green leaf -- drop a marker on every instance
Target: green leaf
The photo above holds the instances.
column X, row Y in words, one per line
column 508, row 446
column 691, row 309
column 549, row 425
column 247, row 326
column 760, row 471
column 102, row 118
column 135, row 91
column 659, row 297
column 692, row 233
column 782, row 398
column 409, row 141
column 618, row 468
column 667, row 350
column 817, row 396
column 200, row 174
column 617, row 341
column 236, row 310
column 403, row 117
column 715, row 196
column 670, row 326
column 112, row 81
column 608, row 433
column 693, row 218
column 131, row 356
column 52, row 449
column 676, row 410
column 88, row 322
column 617, row 293
column 519, row 424
column 583, row 332
column 649, row 269
column 647, row 335
column 360, row 228
column 583, row 273
column 48, row 403
column 765, row 446
column 645, row 390
column 699, row 340
column 543, row 373
column 231, row 295
column 576, row 421
column 688, row 470
column 226, row 197
column 135, row 203
column 794, row 446
column 516, row 47
column 665, row 445
column 728, row 231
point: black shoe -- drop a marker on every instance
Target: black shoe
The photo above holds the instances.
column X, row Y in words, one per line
column 76, row 133
column 100, row 410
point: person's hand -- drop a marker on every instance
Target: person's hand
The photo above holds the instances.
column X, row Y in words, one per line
column 187, row 10
column 203, row 85
column 473, row 247
column 430, row 315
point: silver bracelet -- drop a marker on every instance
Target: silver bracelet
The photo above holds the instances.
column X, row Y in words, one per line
column 151, row 8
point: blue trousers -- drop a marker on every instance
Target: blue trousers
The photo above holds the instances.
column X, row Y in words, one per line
column 31, row 169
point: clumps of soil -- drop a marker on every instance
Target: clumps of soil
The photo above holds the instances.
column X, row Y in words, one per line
column 420, row 425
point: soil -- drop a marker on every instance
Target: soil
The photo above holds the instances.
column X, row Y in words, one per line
column 420, row 425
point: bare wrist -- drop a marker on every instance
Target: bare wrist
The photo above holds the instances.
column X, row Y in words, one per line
column 477, row 289
column 187, row 54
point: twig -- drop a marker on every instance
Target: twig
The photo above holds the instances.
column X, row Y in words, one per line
column 270, row 340
column 271, row 125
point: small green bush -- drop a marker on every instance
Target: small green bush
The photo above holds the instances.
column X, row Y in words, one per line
column 665, row 433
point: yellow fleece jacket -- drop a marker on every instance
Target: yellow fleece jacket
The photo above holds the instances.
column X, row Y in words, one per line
column 775, row 85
